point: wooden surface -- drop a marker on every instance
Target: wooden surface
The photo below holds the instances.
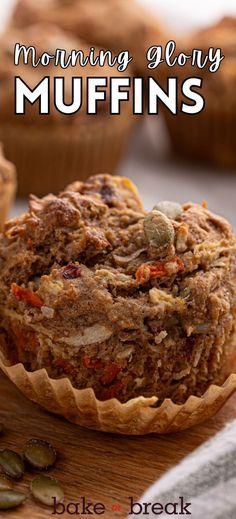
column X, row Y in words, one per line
column 103, row 468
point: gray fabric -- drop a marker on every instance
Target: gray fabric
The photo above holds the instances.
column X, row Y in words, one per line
column 206, row 479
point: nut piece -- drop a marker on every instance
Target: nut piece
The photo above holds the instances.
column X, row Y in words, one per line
column 11, row 464
column 5, row 483
column 158, row 229
column 10, row 499
column 48, row 312
column 182, row 238
column 47, row 490
column 39, row 454
column 90, row 335
column 160, row 296
column 171, row 209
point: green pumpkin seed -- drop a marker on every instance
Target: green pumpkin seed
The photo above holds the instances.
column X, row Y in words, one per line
column 10, row 499
column 11, row 464
column 5, row 483
column 171, row 209
column 158, row 229
column 46, row 490
column 39, row 454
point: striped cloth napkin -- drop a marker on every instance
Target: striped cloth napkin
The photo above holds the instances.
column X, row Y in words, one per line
column 202, row 486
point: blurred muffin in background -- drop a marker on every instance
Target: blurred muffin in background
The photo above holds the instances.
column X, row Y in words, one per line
column 7, row 186
column 211, row 135
column 115, row 24
column 52, row 150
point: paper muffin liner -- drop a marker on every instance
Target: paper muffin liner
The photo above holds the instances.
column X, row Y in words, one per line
column 6, row 199
column 138, row 416
column 48, row 157
column 207, row 137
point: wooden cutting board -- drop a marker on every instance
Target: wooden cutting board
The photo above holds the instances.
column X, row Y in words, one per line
column 101, row 467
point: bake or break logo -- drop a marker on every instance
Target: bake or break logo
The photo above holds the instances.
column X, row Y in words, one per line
column 120, row 85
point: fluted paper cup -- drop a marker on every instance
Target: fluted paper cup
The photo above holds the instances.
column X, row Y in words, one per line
column 6, row 198
column 138, row 416
column 48, row 157
column 208, row 137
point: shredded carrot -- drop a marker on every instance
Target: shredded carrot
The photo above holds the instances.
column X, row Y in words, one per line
column 112, row 391
column 25, row 339
column 24, row 294
column 91, row 364
column 158, row 270
column 65, row 366
column 110, row 373
column 30, row 243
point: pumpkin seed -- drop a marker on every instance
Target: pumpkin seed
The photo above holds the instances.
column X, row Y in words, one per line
column 158, row 229
column 171, row 209
column 12, row 464
column 47, row 490
column 39, row 454
column 5, row 483
column 10, row 499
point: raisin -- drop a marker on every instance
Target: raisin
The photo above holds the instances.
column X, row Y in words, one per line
column 72, row 271
column 107, row 195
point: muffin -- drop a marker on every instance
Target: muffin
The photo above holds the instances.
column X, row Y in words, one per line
column 127, row 303
column 7, row 186
column 117, row 25
column 52, row 150
column 209, row 136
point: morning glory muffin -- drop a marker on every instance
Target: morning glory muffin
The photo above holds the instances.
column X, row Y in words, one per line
column 7, row 186
column 113, row 298
column 209, row 136
column 52, row 150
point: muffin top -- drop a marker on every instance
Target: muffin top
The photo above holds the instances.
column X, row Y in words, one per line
column 221, row 35
column 117, row 24
column 47, row 37
column 96, row 234
column 7, row 171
